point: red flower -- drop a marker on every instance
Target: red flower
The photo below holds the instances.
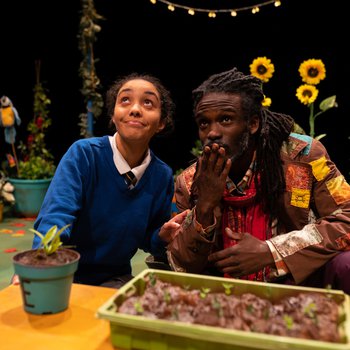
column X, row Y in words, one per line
column 39, row 122
column 30, row 139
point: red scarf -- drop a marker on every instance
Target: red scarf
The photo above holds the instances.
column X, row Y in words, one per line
column 243, row 214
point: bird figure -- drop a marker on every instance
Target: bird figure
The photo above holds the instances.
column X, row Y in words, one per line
column 8, row 118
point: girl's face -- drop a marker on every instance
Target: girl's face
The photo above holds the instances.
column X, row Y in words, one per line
column 137, row 111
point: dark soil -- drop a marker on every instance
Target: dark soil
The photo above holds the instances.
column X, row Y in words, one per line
column 305, row 315
column 39, row 258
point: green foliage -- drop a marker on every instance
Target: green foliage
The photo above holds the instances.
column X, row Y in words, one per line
column 138, row 307
column 298, row 129
column 87, row 36
column 152, row 279
column 195, row 151
column 204, row 292
column 51, row 241
column 250, row 308
column 36, row 168
column 167, row 296
column 218, row 307
column 288, row 321
column 228, row 288
column 325, row 105
column 310, row 310
column 36, row 161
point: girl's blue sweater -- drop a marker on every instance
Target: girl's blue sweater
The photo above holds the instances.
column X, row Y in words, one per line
column 109, row 221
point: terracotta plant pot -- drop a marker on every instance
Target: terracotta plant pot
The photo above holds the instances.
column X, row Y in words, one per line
column 46, row 288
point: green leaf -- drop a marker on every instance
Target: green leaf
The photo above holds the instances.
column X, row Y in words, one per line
column 319, row 137
column 54, row 245
column 228, row 288
column 328, row 103
column 298, row 129
column 37, row 233
column 197, row 149
column 62, row 229
column 50, row 235
column 204, row 291
column 288, row 321
column 51, row 241
column 138, row 307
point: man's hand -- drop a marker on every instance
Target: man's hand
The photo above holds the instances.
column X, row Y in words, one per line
column 170, row 229
column 249, row 255
column 213, row 169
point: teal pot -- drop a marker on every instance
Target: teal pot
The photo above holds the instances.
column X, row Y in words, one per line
column 29, row 195
column 46, row 289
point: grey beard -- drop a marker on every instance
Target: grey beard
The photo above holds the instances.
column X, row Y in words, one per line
column 243, row 146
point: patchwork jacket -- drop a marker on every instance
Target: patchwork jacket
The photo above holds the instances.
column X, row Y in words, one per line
column 313, row 223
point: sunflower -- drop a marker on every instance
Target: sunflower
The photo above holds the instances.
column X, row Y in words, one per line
column 307, row 94
column 266, row 102
column 312, row 71
column 262, row 68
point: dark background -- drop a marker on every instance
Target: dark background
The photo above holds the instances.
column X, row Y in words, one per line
column 180, row 49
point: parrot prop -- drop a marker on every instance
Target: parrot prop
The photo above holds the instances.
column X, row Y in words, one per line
column 8, row 118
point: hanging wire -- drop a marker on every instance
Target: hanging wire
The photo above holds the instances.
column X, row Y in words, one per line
column 255, row 8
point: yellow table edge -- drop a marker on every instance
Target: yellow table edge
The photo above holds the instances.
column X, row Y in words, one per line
column 73, row 329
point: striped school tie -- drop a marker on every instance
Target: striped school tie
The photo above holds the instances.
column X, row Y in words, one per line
column 130, row 179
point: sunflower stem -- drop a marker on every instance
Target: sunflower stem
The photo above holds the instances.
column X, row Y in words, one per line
column 312, row 120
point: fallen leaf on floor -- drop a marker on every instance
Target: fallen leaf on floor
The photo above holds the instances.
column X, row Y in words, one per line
column 5, row 230
column 10, row 250
column 18, row 224
column 21, row 232
column 17, row 235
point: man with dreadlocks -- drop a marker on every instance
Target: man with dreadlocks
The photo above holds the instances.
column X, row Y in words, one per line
column 266, row 204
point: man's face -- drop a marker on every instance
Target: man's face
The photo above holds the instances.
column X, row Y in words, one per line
column 220, row 120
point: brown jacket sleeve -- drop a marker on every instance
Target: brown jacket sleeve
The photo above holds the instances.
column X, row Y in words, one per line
column 315, row 213
column 189, row 250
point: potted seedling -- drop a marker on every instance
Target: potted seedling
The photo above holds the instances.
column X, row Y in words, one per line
column 46, row 273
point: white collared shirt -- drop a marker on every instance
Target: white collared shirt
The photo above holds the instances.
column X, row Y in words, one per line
column 123, row 166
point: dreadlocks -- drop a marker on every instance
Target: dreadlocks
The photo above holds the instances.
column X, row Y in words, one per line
column 275, row 128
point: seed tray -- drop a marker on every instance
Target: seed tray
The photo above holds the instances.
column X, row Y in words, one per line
column 139, row 332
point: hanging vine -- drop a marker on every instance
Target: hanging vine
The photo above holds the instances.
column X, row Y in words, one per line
column 37, row 161
column 87, row 37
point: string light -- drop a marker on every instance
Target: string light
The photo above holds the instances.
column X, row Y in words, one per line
column 213, row 12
